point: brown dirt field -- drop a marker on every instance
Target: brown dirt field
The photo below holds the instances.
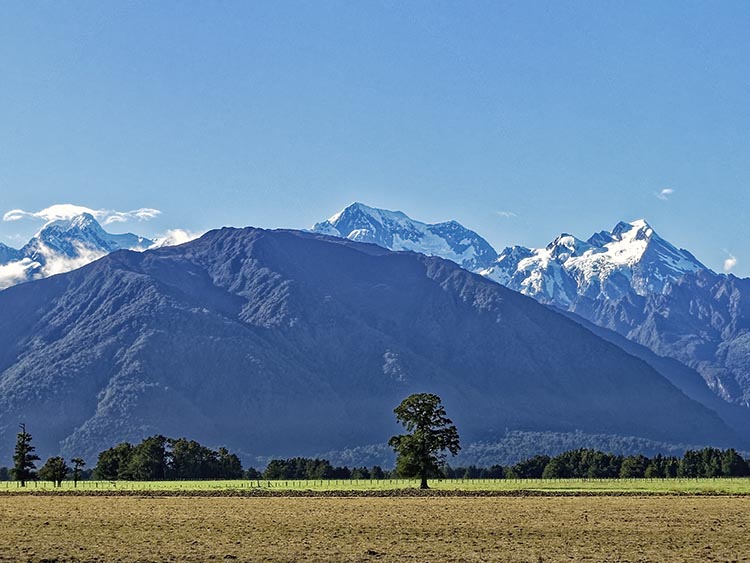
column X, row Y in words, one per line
column 420, row 530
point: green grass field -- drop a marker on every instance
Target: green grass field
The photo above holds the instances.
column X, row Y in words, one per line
column 739, row 486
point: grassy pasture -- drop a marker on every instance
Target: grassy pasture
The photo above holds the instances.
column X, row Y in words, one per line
column 732, row 486
column 146, row 529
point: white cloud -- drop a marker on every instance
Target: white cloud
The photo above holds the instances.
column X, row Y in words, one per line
column 16, row 272
column 506, row 214
column 664, row 194
column 27, row 269
column 174, row 237
column 142, row 214
column 730, row 263
column 63, row 211
column 57, row 264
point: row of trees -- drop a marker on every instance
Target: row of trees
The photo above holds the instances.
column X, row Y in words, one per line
column 301, row 468
column 157, row 458
column 574, row 464
column 55, row 468
column 593, row 464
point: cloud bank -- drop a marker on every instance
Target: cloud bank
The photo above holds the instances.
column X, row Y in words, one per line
column 17, row 272
column 62, row 211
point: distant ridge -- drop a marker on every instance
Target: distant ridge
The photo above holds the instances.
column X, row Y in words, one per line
column 395, row 231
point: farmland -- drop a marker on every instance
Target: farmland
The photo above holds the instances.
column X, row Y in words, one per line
column 360, row 529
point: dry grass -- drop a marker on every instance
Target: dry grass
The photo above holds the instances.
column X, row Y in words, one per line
column 530, row 529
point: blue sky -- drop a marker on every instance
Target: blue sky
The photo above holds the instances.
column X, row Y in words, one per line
column 519, row 119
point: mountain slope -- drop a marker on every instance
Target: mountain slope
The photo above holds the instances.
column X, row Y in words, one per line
column 395, row 231
column 8, row 254
column 292, row 343
column 702, row 320
column 687, row 379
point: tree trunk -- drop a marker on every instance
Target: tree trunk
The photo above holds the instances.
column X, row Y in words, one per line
column 423, row 484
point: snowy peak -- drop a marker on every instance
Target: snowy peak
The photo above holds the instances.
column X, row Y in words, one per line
column 631, row 258
column 81, row 235
column 362, row 223
column 566, row 246
column 638, row 230
column 63, row 245
column 637, row 243
column 395, row 230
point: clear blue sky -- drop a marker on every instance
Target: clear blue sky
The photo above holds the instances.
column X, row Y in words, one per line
column 519, row 119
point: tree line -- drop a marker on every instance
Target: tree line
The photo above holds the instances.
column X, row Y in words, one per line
column 593, row 464
column 582, row 463
column 158, row 458
column 188, row 460
column 420, row 453
column 301, row 468
column 24, row 464
column 153, row 459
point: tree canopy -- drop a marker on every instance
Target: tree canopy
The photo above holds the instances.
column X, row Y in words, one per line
column 421, row 452
column 55, row 469
column 157, row 457
column 24, row 458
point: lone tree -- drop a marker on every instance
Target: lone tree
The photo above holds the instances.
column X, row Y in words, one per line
column 78, row 465
column 24, row 458
column 421, row 453
column 55, row 470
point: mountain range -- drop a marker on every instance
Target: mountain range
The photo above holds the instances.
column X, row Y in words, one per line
column 629, row 280
column 294, row 343
column 323, row 332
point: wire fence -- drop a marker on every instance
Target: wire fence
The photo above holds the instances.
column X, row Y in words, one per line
column 736, row 485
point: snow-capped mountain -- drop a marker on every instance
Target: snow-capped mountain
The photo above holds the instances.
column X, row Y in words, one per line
column 632, row 258
column 629, row 280
column 634, row 282
column 71, row 238
column 61, row 246
column 396, row 231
